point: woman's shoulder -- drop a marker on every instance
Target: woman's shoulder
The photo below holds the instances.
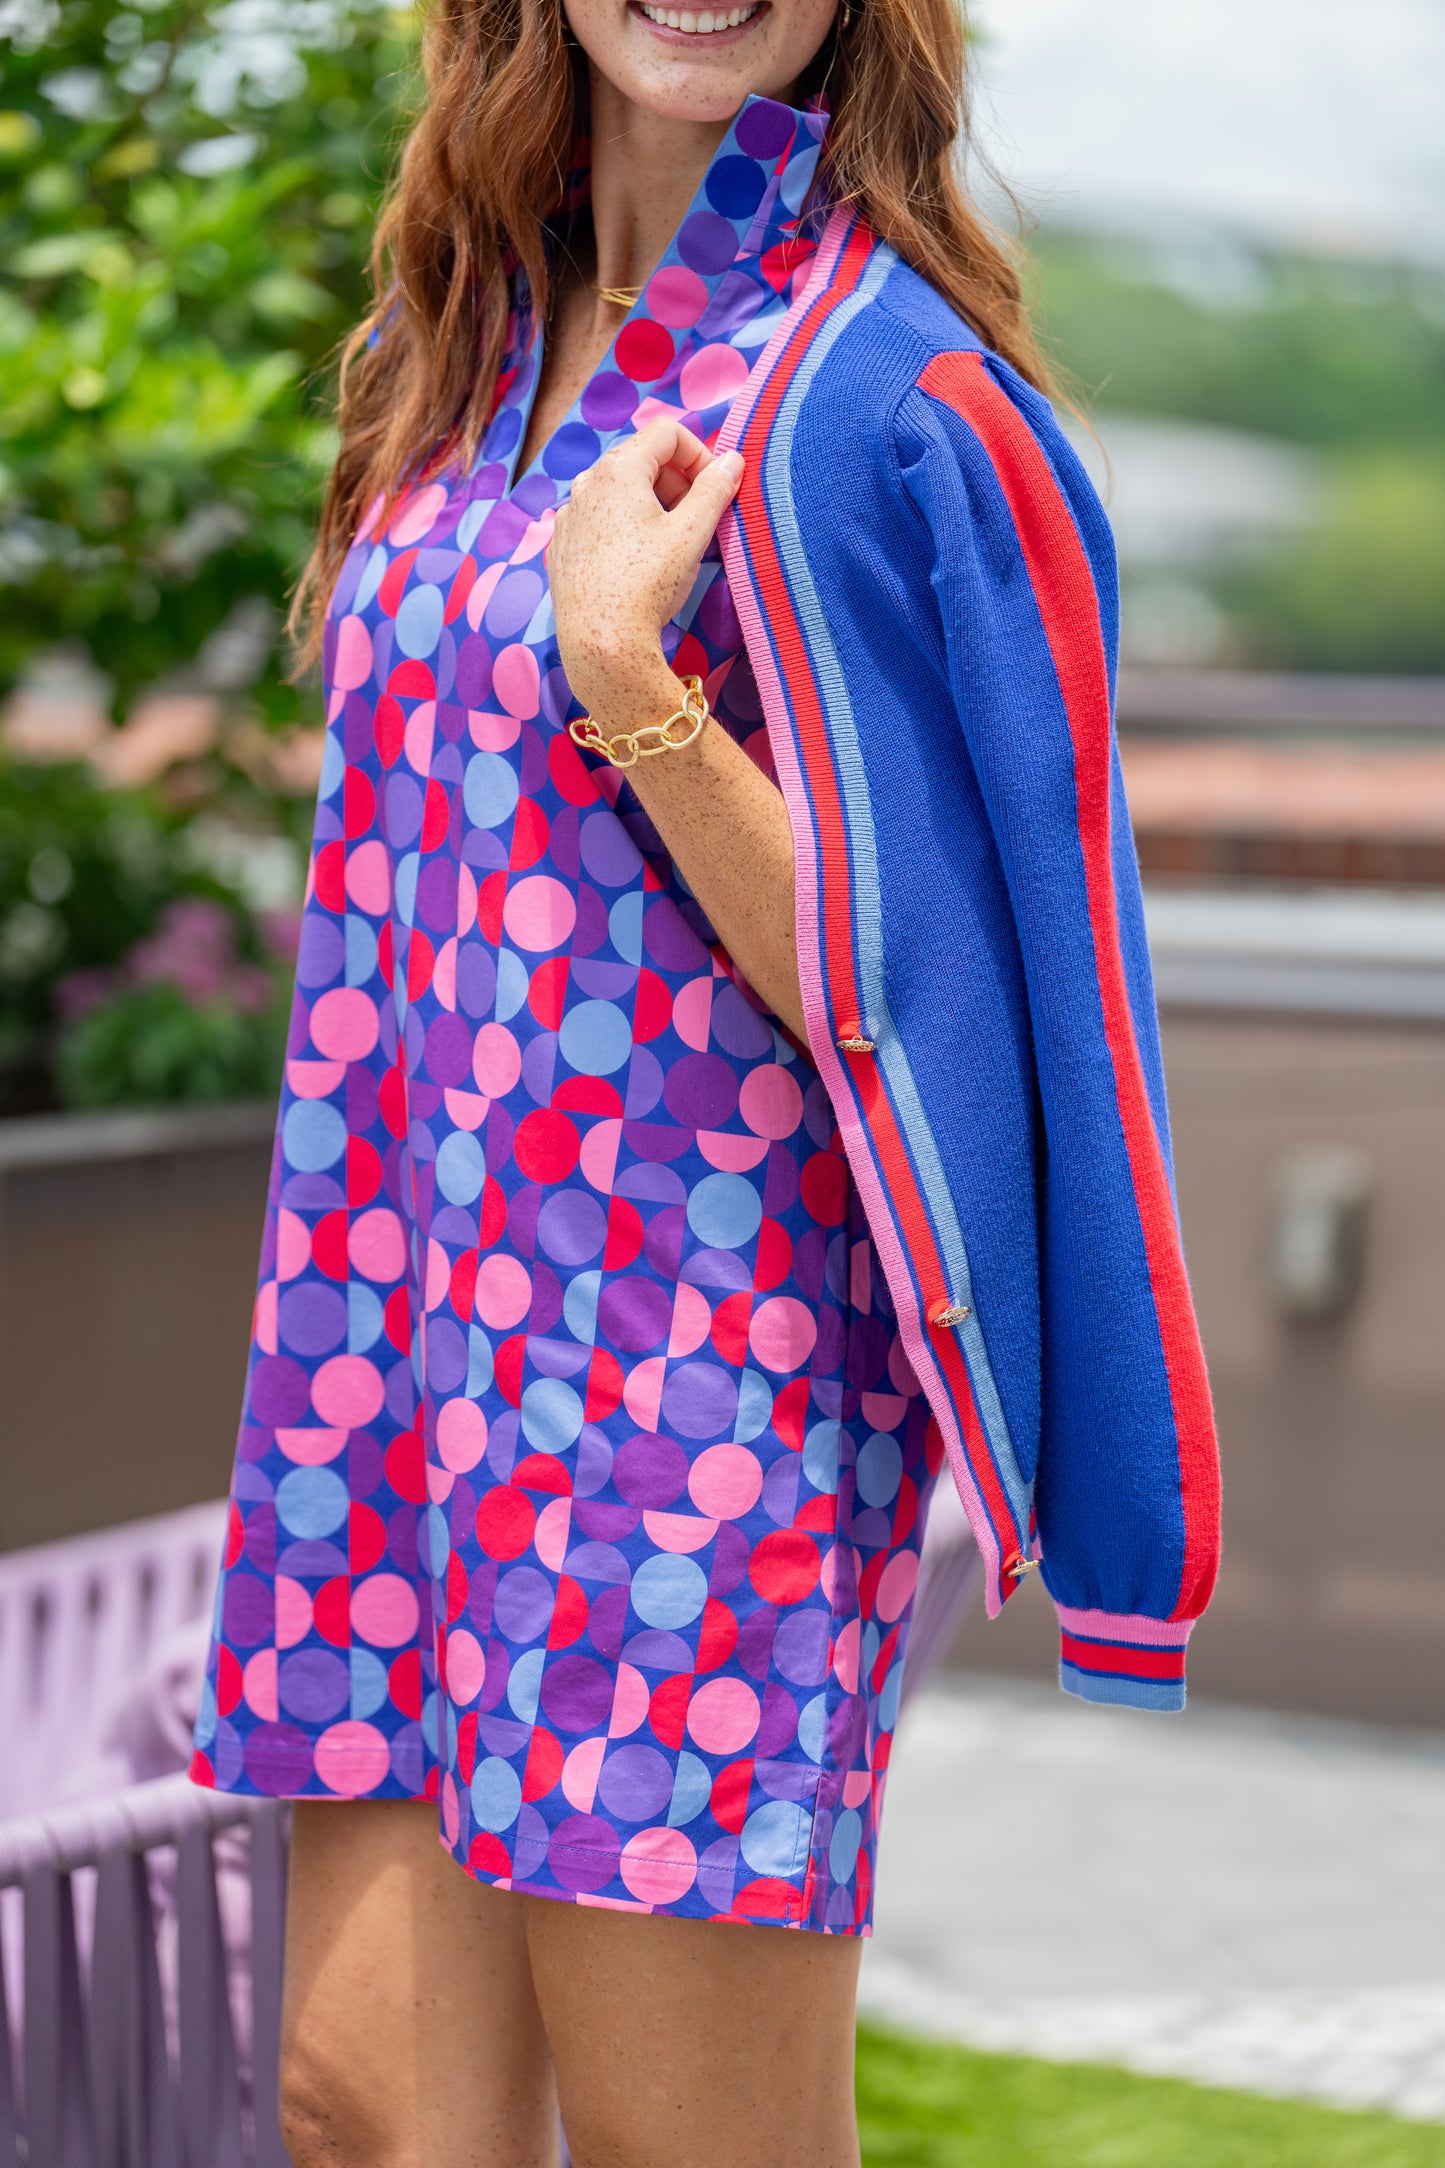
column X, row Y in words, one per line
column 888, row 341
column 908, row 412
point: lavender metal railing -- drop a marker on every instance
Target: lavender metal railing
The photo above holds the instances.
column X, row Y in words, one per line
column 950, row 1582
column 79, row 1622
column 100, row 2067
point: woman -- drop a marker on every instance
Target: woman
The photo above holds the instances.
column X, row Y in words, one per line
column 723, row 1086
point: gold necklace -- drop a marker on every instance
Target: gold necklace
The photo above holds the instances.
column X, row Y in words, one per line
column 621, row 297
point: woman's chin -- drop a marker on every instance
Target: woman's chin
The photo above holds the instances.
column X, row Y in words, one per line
column 694, row 90
column 696, row 75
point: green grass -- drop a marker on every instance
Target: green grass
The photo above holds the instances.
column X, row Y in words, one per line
column 926, row 2105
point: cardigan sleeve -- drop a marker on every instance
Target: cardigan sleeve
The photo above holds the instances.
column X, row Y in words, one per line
column 1127, row 1483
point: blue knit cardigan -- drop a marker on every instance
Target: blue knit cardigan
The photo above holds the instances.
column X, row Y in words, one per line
column 927, row 587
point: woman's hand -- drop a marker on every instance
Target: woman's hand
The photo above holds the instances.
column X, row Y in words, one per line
column 622, row 560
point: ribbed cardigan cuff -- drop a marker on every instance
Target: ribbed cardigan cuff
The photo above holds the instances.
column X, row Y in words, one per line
column 1111, row 1656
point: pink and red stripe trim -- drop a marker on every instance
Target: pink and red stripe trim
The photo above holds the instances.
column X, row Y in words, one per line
column 1122, row 1659
column 817, row 805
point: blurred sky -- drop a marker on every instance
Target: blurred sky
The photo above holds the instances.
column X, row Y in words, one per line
column 1319, row 120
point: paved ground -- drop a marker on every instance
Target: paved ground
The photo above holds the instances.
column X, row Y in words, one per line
column 1240, row 1898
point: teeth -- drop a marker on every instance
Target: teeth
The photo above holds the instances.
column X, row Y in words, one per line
column 699, row 24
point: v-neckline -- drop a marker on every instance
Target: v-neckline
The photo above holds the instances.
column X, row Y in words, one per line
column 538, row 355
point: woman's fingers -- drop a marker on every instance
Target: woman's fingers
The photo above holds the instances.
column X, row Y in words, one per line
column 624, row 553
column 670, row 488
column 662, row 444
column 693, row 486
column 694, row 518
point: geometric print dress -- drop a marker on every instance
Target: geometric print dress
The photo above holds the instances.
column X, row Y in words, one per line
column 581, row 1475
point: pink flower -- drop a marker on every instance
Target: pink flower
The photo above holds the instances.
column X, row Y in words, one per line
column 194, row 948
column 81, row 991
column 249, row 987
column 281, row 932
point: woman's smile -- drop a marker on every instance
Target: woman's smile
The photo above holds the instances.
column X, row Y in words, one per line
column 719, row 26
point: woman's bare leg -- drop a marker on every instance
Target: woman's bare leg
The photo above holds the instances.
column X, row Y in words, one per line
column 424, row 2013
column 411, row 2036
column 695, row 2043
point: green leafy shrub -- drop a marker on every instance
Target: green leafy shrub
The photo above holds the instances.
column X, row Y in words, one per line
column 187, row 190
column 106, row 921
column 186, row 197
column 154, row 1043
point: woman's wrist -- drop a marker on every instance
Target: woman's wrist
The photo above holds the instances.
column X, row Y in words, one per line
column 672, row 732
column 629, row 692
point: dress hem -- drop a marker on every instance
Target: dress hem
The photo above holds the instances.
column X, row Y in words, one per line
column 792, row 1917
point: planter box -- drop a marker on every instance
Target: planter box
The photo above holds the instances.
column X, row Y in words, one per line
column 128, row 1247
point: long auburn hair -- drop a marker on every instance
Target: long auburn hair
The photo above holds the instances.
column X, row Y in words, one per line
column 485, row 165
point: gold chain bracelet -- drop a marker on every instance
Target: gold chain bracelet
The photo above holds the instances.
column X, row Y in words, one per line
column 628, row 747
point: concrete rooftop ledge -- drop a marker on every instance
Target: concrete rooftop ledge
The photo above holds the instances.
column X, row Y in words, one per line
column 1369, row 953
column 50, row 1140
column 1269, row 704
